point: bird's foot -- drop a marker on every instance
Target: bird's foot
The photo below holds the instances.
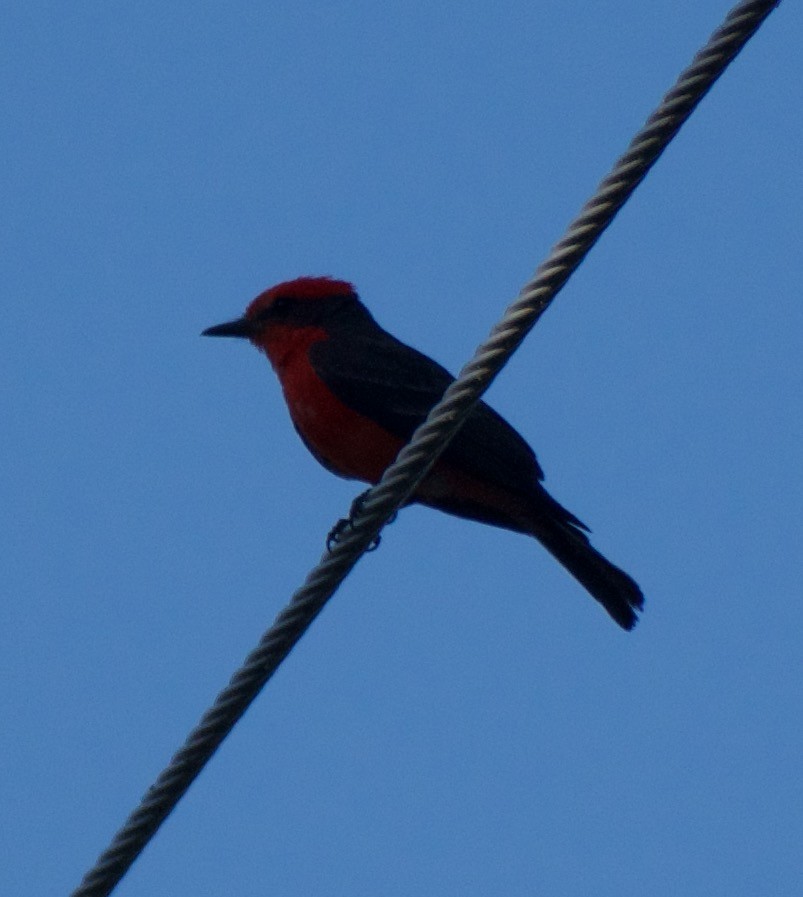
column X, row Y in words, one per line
column 347, row 523
column 337, row 532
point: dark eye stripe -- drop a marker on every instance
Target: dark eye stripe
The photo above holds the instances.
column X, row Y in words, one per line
column 277, row 308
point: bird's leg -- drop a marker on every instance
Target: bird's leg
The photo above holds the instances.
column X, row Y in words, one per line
column 346, row 523
column 336, row 532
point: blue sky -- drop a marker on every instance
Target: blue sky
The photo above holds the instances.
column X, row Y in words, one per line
column 462, row 719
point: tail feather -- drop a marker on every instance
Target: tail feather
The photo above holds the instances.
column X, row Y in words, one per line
column 612, row 587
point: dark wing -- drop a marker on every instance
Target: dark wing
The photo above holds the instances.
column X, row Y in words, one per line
column 383, row 379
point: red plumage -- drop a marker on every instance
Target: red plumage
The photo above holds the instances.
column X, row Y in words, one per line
column 356, row 394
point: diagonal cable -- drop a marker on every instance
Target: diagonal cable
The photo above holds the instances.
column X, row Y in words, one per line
column 429, row 440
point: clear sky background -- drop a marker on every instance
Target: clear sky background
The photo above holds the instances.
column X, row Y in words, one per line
column 462, row 719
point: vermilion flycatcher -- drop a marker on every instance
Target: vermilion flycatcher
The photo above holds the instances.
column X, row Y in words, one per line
column 356, row 394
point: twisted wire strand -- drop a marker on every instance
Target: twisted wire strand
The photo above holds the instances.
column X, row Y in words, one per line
column 429, row 440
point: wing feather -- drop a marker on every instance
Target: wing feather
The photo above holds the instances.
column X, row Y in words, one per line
column 396, row 386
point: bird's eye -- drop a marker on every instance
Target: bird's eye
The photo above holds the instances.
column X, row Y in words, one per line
column 280, row 306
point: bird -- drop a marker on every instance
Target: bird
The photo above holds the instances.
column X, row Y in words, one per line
column 355, row 395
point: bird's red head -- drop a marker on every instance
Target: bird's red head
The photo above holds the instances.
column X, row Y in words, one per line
column 302, row 290
column 293, row 314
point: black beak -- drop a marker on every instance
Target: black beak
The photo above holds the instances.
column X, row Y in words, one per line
column 242, row 327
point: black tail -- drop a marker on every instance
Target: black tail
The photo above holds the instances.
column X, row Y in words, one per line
column 612, row 587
